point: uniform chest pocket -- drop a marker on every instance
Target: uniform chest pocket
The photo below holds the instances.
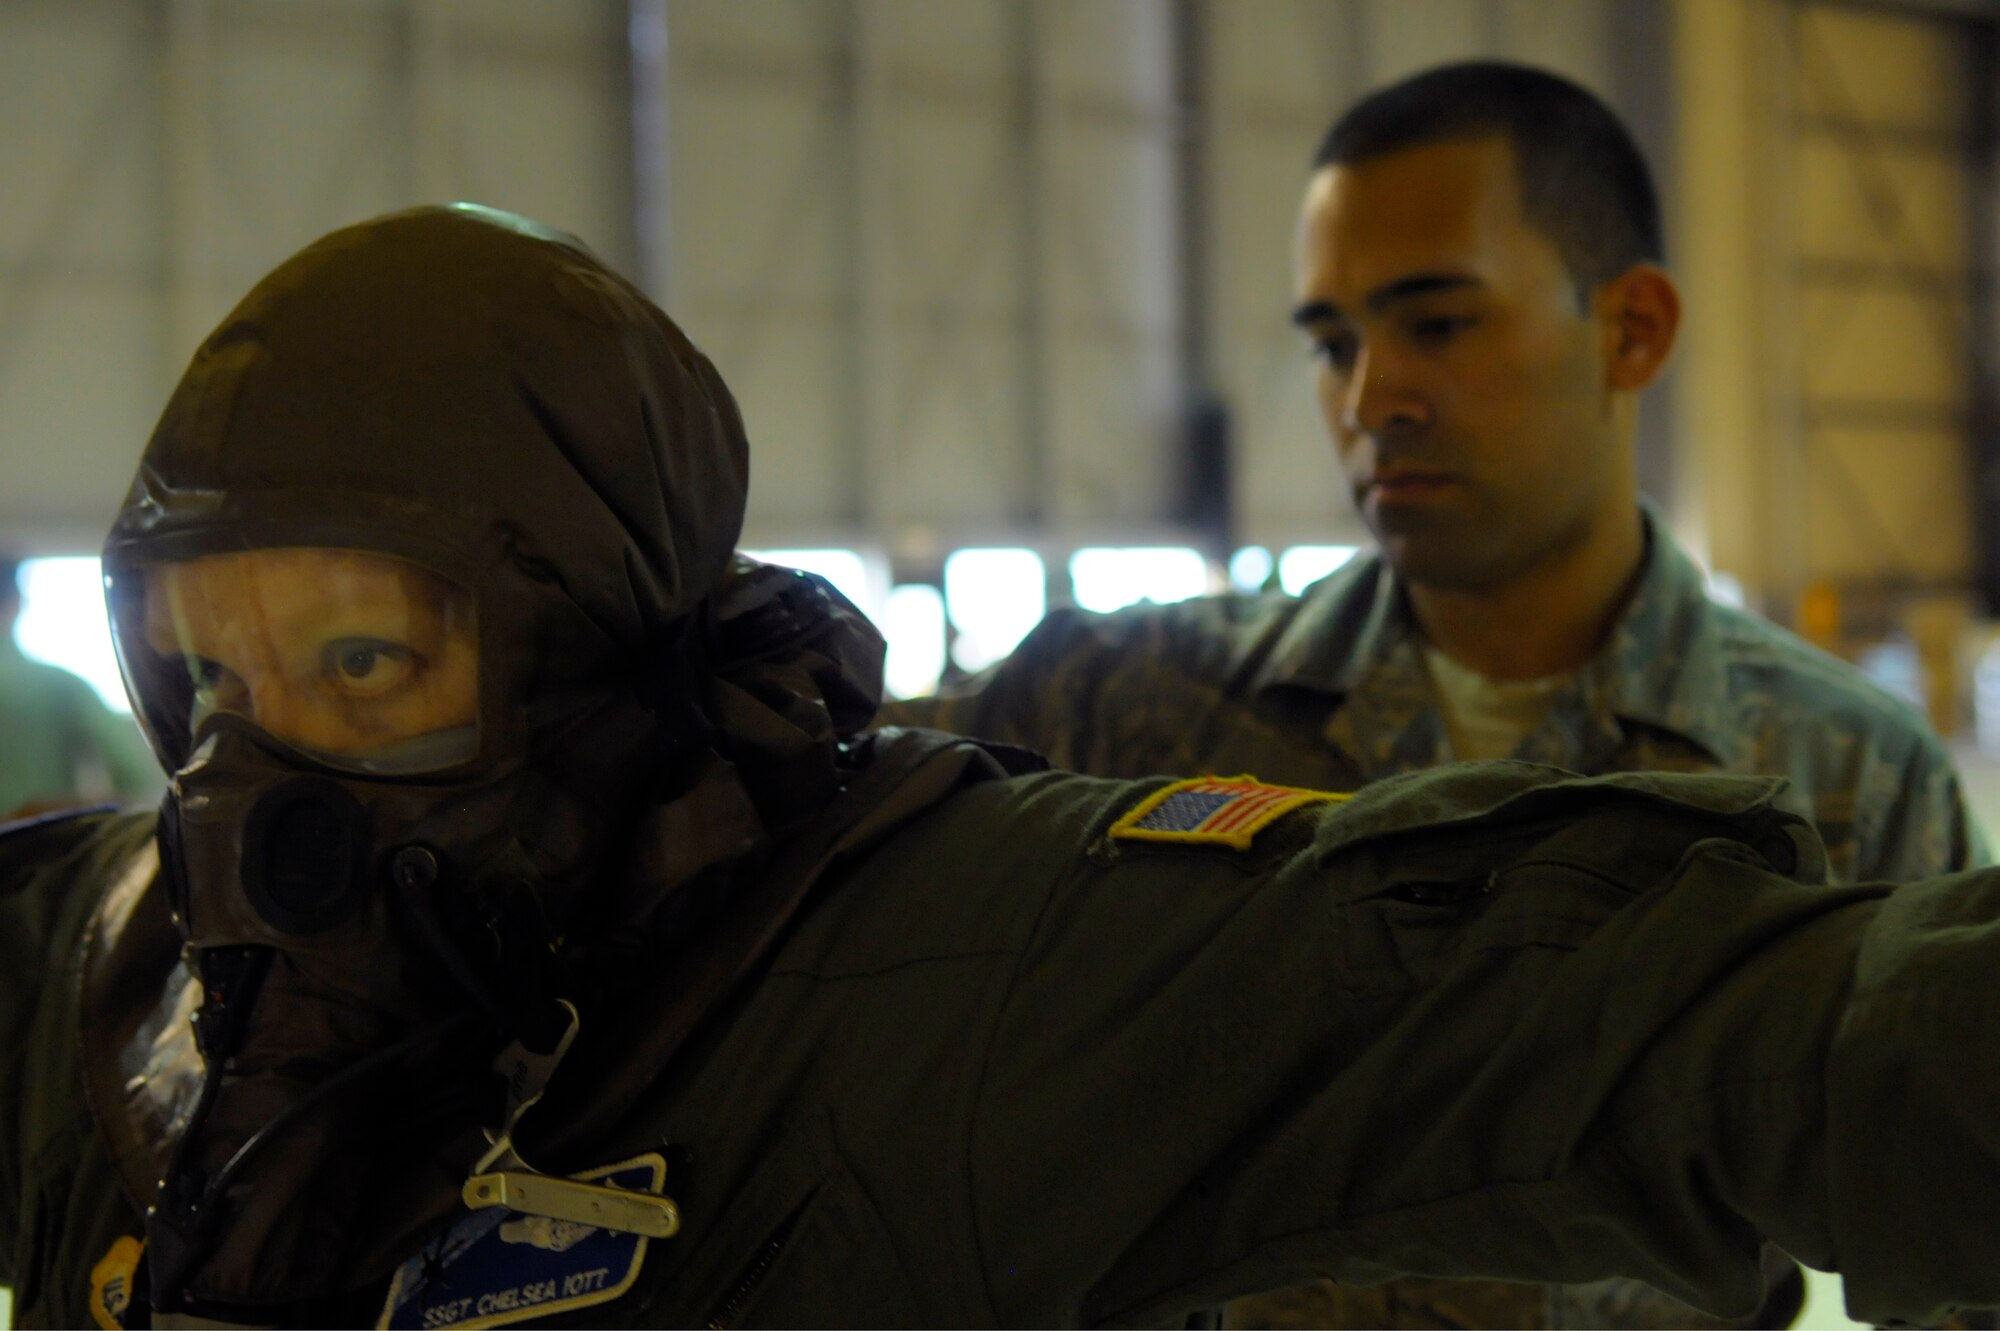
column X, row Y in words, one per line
column 1408, row 924
column 799, row 1244
column 1431, row 868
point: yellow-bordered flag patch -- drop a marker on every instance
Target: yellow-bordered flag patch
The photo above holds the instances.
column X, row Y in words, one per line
column 1214, row 810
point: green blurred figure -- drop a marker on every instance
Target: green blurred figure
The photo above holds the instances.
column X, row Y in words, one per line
column 59, row 744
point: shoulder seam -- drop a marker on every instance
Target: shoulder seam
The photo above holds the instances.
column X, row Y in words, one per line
column 19, row 826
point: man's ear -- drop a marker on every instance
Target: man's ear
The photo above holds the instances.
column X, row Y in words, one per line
column 1640, row 312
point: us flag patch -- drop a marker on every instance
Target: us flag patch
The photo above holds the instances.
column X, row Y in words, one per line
column 1214, row 810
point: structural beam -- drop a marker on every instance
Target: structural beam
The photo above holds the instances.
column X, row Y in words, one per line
column 1043, row 204
column 871, row 447
column 187, row 178
column 433, row 133
column 1723, row 407
column 648, row 44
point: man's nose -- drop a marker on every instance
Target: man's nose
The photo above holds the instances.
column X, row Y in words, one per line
column 1380, row 400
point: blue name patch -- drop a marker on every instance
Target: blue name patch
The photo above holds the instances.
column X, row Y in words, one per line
column 495, row 1266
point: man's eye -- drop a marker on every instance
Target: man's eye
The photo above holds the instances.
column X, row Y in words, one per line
column 367, row 667
column 1337, row 350
column 1441, row 328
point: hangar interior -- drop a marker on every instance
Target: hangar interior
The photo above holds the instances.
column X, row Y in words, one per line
column 1002, row 285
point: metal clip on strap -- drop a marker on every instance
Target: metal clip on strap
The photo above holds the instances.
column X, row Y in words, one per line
column 517, row 1187
column 527, row 1077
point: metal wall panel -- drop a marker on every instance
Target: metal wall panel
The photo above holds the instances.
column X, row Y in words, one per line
column 1274, row 85
column 958, row 221
column 937, row 248
column 1878, row 175
column 81, row 273
column 160, row 156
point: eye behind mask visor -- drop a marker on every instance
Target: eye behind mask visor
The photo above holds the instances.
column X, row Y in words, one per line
column 359, row 661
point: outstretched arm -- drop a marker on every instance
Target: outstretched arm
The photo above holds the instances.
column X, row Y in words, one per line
column 1587, row 1032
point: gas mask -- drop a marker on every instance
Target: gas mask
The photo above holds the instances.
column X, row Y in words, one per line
column 368, row 896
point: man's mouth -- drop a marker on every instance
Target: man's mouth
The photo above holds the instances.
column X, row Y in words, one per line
column 1408, row 484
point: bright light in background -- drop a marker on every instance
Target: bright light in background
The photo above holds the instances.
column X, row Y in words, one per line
column 913, row 622
column 1895, row 665
column 993, row 597
column 1250, row 568
column 1303, row 565
column 63, row 623
column 1726, row 589
column 848, row 570
column 1105, row 579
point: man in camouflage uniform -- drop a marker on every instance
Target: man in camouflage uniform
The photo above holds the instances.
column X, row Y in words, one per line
column 1479, row 273
column 1331, row 690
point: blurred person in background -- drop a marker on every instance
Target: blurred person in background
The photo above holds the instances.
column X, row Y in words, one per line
column 60, row 746
column 1479, row 273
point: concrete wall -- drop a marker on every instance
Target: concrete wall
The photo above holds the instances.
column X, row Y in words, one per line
column 158, row 157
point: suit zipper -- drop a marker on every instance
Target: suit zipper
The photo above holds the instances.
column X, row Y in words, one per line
column 726, row 1314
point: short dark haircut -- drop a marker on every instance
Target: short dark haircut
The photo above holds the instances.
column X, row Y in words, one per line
column 1584, row 183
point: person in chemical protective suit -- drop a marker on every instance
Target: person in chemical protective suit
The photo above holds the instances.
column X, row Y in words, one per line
column 528, row 932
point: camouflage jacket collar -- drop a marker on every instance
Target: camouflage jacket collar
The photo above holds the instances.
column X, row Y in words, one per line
column 1663, row 667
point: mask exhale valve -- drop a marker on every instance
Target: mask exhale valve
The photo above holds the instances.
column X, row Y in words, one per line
column 305, row 855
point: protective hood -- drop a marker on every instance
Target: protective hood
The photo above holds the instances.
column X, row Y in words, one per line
column 473, row 403
column 469, row 390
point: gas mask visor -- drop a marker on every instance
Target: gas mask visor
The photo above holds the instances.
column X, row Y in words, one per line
column 359, row 662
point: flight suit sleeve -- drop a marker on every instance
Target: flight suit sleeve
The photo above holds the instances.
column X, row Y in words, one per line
column 48, row 887
column 1475, row 1024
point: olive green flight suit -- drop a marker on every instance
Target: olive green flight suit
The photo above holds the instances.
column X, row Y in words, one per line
column 1007, row 1068
column 1331, row 689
